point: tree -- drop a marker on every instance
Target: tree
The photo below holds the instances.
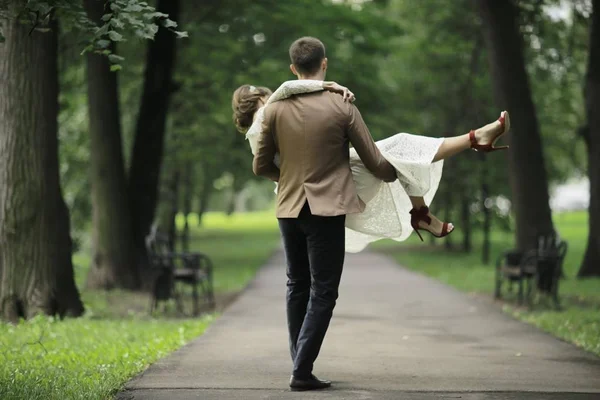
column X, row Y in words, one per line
column 114, row 261
column 591, row 261
column 146, row 159
column 36, row 271
column 529, row 182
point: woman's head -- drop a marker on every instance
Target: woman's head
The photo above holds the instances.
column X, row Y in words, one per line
column 247, row 99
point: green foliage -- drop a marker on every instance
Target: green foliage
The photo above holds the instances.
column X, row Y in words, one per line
column 556, row 52
column 236, row 42
column 579, row 323
column 74, row 146
column 125, row 17
column 122, row 19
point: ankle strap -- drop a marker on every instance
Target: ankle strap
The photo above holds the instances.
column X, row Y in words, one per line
column 473, row 139
column 421, row 214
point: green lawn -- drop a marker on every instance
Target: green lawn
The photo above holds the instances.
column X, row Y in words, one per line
column 92, row 357
column 578, row 322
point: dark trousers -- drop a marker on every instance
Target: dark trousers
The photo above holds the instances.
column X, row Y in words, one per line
column 314, row 248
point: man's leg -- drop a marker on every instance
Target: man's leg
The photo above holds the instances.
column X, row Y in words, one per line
column 326, row 250
column 298, row 273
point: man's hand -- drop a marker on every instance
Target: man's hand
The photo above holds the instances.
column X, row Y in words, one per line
column 337, row 88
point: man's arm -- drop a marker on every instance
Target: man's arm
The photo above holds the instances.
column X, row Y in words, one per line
column 361, row 139
column 263, row 164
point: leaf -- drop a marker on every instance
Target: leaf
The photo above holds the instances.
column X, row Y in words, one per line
column 133, row 8
column 115, row 59
column 87, row 49
column 149, row 32
column 115, row 36
column 156, row 14
column 181, row 35
column 169, row 23
column 117, row 23
column 103, row 43
column 115, row 67
column 107, row 17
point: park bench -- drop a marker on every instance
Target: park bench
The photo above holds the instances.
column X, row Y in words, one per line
column 175, row 272
column 539, row 268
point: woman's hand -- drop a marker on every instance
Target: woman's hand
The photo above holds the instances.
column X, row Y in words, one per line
column 336, row 88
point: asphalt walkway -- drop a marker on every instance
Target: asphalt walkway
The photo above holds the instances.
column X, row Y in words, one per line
column 395, row 335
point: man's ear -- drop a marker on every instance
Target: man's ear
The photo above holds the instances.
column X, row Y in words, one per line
column 293, row 69
column 324, row 64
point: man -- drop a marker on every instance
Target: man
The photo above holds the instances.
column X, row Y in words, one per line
column 311, row 132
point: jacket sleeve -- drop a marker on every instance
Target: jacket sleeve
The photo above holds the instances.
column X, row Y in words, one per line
column 363, row 143
column 263, row 163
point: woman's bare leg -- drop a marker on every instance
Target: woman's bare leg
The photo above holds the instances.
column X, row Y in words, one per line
column 450, row 147
column 436, row 225
column 454, row 145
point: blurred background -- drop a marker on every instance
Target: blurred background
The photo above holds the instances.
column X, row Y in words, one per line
column 146, row 140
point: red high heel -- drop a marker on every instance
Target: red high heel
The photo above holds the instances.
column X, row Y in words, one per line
column 487, row 148
column 420, row 214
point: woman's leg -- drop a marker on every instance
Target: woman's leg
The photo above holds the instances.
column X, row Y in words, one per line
column 436, row 225
column 454, row 145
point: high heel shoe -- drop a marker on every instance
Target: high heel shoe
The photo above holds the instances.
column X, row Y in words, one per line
column 421, row 214
column 487, row 148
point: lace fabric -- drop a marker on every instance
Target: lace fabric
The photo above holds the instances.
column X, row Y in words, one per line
column 386, row 215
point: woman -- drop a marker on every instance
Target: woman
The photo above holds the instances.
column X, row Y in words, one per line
column 418, row 161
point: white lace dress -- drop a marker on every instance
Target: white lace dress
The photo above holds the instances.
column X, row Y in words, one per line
column 386, row 215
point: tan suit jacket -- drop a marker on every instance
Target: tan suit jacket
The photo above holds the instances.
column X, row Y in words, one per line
column 312, row 132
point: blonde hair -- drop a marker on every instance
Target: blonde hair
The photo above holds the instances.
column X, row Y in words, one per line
column 245, row 103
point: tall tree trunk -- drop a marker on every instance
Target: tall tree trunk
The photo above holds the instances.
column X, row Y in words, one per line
column 448, row 204
column 187, row 206
column 528, row 179
column 465, row 208
column 591, row 260
column 168, row 208
column 36, row 271
column 148, row 145
column 114, row 259
column 487, row 215
column 207, row 189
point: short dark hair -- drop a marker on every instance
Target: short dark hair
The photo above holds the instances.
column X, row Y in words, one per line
column 306, row 54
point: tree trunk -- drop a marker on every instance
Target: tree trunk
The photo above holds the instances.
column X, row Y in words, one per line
column 168, row 208
column 591, row 260
column 466, row 223
column 172, row 227
column 36, row 271
column 448, row 204
column 114, row 259
column 187, row 207
column 487, row 215
column 528, row 179
column 207, row 189
column 148, row 145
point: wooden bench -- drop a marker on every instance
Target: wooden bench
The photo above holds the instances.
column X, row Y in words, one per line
column 538, row 268
column 173, row 272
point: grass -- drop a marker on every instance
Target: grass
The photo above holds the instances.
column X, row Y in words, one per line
column 93, row 356
column 579, row 320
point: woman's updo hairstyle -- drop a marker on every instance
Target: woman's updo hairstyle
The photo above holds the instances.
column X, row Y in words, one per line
column 245, row 103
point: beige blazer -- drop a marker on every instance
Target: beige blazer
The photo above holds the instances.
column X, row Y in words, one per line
column 312, row 132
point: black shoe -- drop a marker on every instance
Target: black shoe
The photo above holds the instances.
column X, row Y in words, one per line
column 313, row 383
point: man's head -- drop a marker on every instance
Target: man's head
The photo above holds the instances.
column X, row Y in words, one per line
column 308, row 58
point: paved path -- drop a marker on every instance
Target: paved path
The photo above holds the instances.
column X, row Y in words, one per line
column 394, row 335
